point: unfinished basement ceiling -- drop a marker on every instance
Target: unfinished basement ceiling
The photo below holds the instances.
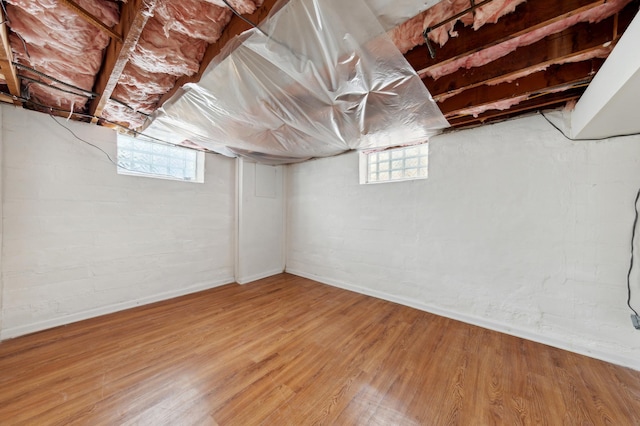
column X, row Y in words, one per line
column 122, row 61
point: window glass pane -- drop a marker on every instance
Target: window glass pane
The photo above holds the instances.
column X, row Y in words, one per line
column 143, row 157
column 397, row 164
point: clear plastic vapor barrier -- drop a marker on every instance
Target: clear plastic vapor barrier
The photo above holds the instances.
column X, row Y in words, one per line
column 318, row 78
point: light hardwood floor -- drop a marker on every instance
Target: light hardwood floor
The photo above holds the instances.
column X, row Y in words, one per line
column 290, row 351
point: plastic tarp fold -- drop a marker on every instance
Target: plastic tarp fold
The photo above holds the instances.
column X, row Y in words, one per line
column 318, row 78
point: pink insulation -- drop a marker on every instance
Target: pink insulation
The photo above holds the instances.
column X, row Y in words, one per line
column 173, row 53
column 119, row 113
column 409, row 34
column 242, row 6
column 171, row 45
column 194, row 18
column 500, row 106
column 601, row 52
column 61, row 43
column 490, row 54
column 506, row 103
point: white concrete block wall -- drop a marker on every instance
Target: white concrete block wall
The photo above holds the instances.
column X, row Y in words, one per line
column 261, row 228
column 81, row 240
column 516, row 229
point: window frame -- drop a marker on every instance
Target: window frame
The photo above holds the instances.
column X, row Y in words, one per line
column 199, row 162
column 365, row 163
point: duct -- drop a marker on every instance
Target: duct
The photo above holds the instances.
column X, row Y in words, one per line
column 326, row 80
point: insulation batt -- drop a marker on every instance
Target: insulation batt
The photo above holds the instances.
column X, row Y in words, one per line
column 56, row 63
column 60, row 42
column 194, row 18
column 121, row 114
column 409, row 34
column 141, row 82
column 175, row 53
column 242, row 6
column 503, row 104
column 172, row 44
column 490, row 54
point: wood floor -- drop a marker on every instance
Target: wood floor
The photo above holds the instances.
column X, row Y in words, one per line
column 289, row 351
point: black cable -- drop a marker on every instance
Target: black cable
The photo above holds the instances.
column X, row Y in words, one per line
column 635, row 204
column 585, row 140
column 81, row 114
column 35, row 80
column 633, row 236
column 24, row 45
column 107, row 154
column 82, row 140
column 248, row 21
column 41, row 74
column 6, row 16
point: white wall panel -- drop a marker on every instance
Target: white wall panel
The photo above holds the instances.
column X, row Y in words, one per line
column 261, row 233
column 82, row 240
column 516, row 229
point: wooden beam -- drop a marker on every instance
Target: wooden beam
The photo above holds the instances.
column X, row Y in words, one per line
column 6, row 62
column 5, row 98
column 555, row 77
column 546, row 101
column 133, row 17
column 580, row 39
column 84, row 14
column 235, row 27
column 526, row 18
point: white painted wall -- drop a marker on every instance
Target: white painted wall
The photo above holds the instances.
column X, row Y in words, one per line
column 261, row 230
column 80, row 240
column 516, row 229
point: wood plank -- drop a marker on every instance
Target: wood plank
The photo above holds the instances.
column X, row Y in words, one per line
column 88, row 17
column 554, row 77
column 287, row 350
column 570, row 43
column 235, row 27
column 6, row 61
column 134, row 15
column 527, row 17
column 552, row 100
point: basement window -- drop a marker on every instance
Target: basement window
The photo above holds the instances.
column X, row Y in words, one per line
column 394, row 165
column 140, row 157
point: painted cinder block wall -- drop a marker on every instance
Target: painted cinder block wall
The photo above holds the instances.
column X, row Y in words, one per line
column 81, row 240
column 516, row 229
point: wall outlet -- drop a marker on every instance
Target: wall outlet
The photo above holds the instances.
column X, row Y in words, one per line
column 635, row 319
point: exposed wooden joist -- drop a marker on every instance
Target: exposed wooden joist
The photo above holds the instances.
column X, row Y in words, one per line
column 555, row 77
column 235, row 27
column 561, row 47
column 88, row 17
column 546, row 101
column 527, row 17
column 133, row 18
column 6, row 62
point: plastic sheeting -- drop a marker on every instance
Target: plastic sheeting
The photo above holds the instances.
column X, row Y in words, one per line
column 326, row 80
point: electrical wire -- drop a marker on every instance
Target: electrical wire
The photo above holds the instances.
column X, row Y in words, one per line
column 120, row 166
column 635, row 205
column 248, row 21
column 41, row 74
column 85, row 141
column 35, row 80
column 587, row 139
column 81, row 114
column 633, row 236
